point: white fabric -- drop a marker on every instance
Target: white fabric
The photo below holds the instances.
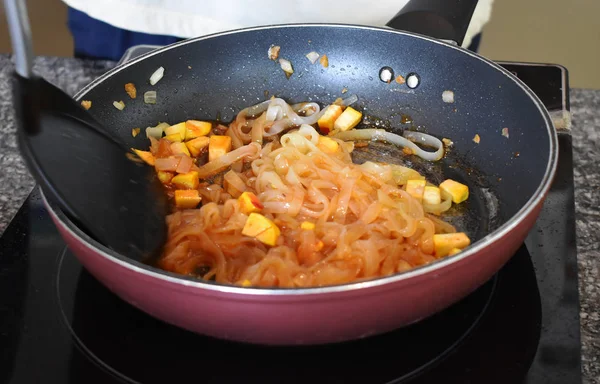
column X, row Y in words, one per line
column 191, row 18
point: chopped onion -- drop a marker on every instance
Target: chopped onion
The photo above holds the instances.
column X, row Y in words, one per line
column 447, row 142
column 286, row 65
column 448, row 96
column 349, row 100
column 383, row 135
column 185, row 164
column 402, row 174
column 167, row 163
column 150, row 97
column 273, row 52
column 235, row 182
column 476, row 138
column 437, row 209
column 157, row 131
column 157, row 75
column 505, row 132
column 120, row 105
column 312, row 57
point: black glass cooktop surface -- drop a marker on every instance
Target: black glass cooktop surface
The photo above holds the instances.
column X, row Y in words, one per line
column 59, row 325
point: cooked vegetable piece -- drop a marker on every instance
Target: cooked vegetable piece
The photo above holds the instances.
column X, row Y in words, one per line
column 135, row 132
column 458, row 191
column 218, row 146
column 287, row 67
column 145, row 155
column 167, row 163
column 180, row 149
column 347, row 120
column 86, row 104
column 174, row 137
column 444, row 243
column 454, row 251
column 185, row 164
column 416, row 188
column 157, row 131
column 164, row 148
column 432, row 195
column 319, row 246
column 262, row 229
column 312, row 57
column 329, row 117
column 186, row 180
column 164, row 176
column 328, row 145
column 447, row 142
column 179, row 128
column 150, row 97
column 307, row 225
column 324, row 60
column 249, row 203
column 195, row 128
column 448, row 97
column 196, row 145
column 187, row 199
column 273, row 52
column 157, row 75
column 131, row 91
column 120, row 105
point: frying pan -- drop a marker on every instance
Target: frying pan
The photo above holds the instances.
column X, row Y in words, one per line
column 214, row 77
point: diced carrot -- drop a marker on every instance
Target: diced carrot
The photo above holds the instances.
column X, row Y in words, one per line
column 187, row 199
column 195, row 128
column 145, row 155
column 197, row 145
column 165, row 177
column 186, row 180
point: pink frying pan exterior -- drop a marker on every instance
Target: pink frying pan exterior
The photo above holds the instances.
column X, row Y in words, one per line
column 314, row 316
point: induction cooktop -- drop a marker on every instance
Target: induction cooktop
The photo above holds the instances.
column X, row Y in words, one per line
column 59, row 325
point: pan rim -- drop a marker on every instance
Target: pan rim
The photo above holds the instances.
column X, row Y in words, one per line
column 537, row 197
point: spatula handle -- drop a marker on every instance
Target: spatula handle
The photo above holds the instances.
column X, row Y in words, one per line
column 20, row 35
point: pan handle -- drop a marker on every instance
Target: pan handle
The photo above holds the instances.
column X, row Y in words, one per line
column 442, row 19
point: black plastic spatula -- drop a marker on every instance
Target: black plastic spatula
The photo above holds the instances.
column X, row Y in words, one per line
column 88, row 173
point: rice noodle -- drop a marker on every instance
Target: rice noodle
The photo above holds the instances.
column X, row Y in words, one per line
column 213, row 167
column 383, row 135
column 366, row 224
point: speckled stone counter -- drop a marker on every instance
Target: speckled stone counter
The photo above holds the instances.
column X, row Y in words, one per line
column 71, row 74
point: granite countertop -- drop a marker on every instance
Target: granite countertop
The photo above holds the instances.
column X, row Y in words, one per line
column 72, row 74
